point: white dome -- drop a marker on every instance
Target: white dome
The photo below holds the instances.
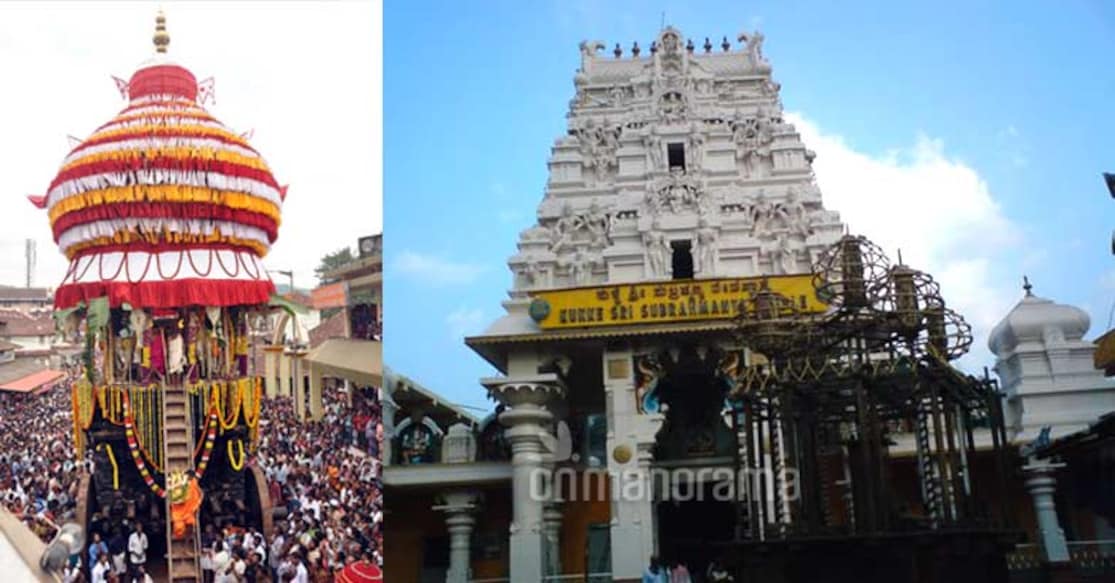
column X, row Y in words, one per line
column 512, row 325
column 1037, row 319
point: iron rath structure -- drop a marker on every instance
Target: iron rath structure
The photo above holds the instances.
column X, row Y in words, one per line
column 165, row 215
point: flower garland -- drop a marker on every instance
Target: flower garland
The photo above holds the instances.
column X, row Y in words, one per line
column 207, row 445
column 147, row 401
column 128, row 237
column 173, row 193
column 236, row 465
column 115, row 468
column 195, row 156
column 165, row 210
column 133, row 447
column 252, row 408
column 84, row 408
column 231, row 397
column 147, row 130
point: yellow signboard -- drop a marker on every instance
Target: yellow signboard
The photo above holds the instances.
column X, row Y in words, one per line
column 667, row 301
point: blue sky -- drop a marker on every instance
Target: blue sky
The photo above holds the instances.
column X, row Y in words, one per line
column 970, row 134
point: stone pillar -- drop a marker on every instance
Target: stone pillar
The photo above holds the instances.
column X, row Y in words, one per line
column 1041, row 484
column 317, row 408
column 459, row 507
column 283, row 378
column 271, row 357
column 296, row 375
column 528, row 421
column 631, row 437
column 551, row 532
column 387, row 448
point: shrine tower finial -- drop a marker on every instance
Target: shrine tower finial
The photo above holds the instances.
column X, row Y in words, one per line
column 162, row 37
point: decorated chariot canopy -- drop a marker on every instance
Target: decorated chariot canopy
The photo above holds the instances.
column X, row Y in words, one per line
column 163, row 206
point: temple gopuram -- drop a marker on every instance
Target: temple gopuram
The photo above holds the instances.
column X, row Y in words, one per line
column 165, row 215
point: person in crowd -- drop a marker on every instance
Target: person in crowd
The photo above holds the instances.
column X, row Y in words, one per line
column 324, row 476
column 655, row 573
column 97, row 548
column 679, row 572
column 102, row 570
column 137, row 549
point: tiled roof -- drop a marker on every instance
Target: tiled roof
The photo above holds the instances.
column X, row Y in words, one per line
column 14, row 324
column 35, row 294
column 332, row 327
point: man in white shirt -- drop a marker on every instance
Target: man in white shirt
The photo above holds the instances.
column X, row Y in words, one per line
column 101, row 569
column 301, row 574
column 222, row 562
column 137, row 548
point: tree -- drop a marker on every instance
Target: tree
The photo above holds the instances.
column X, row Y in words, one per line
column 333, row 260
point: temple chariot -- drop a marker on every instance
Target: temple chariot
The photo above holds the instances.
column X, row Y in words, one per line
column 165, row 215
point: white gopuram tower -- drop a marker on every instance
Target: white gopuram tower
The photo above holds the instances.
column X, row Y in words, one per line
column 677, row 169
column 679, row 150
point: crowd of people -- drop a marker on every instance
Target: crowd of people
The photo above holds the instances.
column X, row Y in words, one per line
column 38, row 471
column 326, row 479
column 323, row 478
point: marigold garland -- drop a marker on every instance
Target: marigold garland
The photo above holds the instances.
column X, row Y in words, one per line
column 207, row 447
column 231, row 400
column 232, row 462
column 149, row 436
column 164, row 193
column 115, row 468
column 127, row 236
column 196, row 154
column 133, row 448
column 146, row 130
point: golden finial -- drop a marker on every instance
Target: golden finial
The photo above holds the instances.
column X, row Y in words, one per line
column 162, row 37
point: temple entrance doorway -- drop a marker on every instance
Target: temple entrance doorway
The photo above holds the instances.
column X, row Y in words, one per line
column 696, row 531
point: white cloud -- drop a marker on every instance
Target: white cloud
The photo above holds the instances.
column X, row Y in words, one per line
column 465, row 322
column 937, row 210
column 436, row 270
column 306, row 76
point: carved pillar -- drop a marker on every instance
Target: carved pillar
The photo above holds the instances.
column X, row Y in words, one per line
column 551, row 531
column 1041, row 484
column 528, row 422
column 459, row 508
column 631, row 437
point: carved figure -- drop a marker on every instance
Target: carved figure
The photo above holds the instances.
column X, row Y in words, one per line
column 580, row 268
column 598, row 224
column 705, row 256
column 695, row 149
column 761, row 216
column 617, row 96
column 657, row 251
column 561, row 234
column 783, row 258
column 653, row 145
column 754, row 48
column 588, row 52
column 794, row 214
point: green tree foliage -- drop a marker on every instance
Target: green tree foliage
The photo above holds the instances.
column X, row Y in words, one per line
column 333, row 260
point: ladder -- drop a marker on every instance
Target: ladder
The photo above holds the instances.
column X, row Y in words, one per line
column 182, row 554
